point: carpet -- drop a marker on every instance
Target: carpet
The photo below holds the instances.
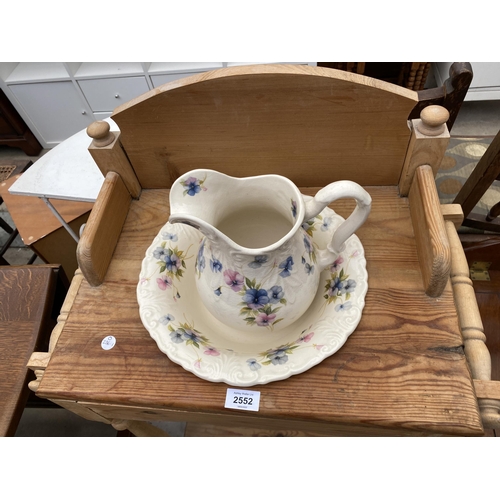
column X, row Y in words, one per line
column 460, row 159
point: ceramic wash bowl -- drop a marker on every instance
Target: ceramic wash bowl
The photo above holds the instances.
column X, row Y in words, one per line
column 174, row 315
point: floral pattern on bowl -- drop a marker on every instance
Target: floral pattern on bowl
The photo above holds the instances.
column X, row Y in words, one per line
column 189, row 335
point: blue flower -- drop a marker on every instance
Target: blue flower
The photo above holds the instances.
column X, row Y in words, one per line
column 294, row 209
column 343, row 307
column 192, row 185
column 349, row 286
column 258, row 261
column 286, row 265
column 253, row 365
column 215, row 265
column 170, row 236
column 307, row 244
column 275, row 294
column 190, row 335
column 309, row 268
column 336, row 286
column 165, row 320
column 305, row 226
column 160, row 253
column 176, row 337
column 173, row 262
column 218, row 292
column 278, row 356
column 327, row 222
column 255, row 299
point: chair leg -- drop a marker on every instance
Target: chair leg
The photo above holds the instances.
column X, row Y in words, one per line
column 33, row 258
column 7, row 244
column 5, row 226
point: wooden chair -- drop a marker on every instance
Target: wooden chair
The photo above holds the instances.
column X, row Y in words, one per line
column 417, row 363
column 450, row 95
column 484, row 174
column 28, row 297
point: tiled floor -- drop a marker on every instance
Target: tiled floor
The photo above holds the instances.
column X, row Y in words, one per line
column 475, row 119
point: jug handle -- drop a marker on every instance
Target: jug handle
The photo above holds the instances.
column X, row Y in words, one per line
column 329, row 194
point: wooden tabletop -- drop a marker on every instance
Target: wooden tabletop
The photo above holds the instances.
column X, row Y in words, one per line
column 403, row 371
column 26, row 295
column 33, row 219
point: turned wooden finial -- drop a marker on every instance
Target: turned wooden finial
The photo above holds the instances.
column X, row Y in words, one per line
column 99, row 131
column 433, row 120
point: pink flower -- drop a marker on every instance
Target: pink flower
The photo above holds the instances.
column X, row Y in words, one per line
column 264, row 319
column 233, row 279
column 164, row 282
column 318, row 346
column 197, row 363
column 212, row 351
column 336, row 264
column 306, row 338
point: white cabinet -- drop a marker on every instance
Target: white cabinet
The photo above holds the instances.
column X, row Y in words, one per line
column 105, row 94
column 485, row 82
column 58, row 99
column 55, row 109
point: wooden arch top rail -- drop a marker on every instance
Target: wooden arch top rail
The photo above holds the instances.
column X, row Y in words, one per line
column 289, row 119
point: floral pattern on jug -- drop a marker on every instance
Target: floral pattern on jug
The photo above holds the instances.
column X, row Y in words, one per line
column 171, row 262
column 258, row 266
column 193, row 185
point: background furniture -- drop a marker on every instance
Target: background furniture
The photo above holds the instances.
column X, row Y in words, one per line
column 28, row 299
column 41, row 231
column 486, row 85
column 486, row 172
column 13, row 130
column 450, row 93
column 417, row 363
column 411, row 75
column 14, row 168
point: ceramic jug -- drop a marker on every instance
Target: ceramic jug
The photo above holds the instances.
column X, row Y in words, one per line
column 256, row 266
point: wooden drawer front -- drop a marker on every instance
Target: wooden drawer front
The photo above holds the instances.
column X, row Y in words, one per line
column 161, row 79
column 56, row 109
column 108, row 93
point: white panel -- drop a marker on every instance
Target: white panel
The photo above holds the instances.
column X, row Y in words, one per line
column 485, row 74
column 99, row 69
column 55, row 109
column 37, row 71
column 108, row 93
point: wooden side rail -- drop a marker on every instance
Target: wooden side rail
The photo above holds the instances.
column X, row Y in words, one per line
column 433, row 248
column 471, row 326
column 101, row 233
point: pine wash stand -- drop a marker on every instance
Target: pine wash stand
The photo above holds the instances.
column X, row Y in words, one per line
column 416, row 364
